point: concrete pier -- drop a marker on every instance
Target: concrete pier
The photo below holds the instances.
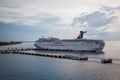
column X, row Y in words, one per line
column 63, row 56
column 24, row 51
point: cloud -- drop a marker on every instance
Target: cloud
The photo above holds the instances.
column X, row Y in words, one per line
column 38, row 19
column 100, row 24
column 95, row 19
column 99, row 18
column 22, row 13
column 108, row 9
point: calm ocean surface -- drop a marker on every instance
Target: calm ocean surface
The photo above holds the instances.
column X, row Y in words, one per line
column 28, row 67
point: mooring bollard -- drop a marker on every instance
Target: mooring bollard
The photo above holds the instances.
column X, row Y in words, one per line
column 83, row 58
column 106, row 60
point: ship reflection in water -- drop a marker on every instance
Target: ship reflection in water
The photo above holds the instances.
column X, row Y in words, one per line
column 28, row 67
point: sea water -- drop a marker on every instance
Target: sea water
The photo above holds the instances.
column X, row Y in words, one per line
column 28, row 67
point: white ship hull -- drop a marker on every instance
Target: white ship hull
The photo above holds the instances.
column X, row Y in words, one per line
column 74, row 45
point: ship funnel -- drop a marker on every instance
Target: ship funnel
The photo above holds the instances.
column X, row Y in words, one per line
column 80, row 36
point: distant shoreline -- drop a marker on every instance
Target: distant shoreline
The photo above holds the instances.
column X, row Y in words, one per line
column 9, row 43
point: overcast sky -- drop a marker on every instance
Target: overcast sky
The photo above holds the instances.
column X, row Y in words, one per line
column 28, row 20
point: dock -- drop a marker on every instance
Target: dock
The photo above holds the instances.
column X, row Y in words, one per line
column 62, row 56
column 24, row 51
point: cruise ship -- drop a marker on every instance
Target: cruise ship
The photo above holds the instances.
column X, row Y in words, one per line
column 78, row 44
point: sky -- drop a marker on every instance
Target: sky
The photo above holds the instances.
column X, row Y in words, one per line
column 28, row 20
